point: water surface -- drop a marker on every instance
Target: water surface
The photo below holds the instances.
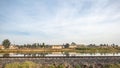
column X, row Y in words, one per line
column 56, row 54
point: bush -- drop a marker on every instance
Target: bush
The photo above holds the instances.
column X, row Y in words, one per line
column 77, row 66
column 13, row 65
column 52, row 66
column 61, row 66
column 26, row 64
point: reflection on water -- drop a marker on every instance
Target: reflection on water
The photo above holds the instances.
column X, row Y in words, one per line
column 67, row 54
column 6, row 55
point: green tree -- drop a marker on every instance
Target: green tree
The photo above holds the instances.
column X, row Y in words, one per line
column 43, row 45
column 66, row 45
column 6, row 43
column 73, row 43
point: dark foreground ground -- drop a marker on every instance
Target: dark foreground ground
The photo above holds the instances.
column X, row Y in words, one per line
column 70, row 62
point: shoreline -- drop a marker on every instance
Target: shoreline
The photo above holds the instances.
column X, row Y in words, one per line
column 56, row 50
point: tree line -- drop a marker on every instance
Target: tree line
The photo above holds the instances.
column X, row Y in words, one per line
column 6, row 43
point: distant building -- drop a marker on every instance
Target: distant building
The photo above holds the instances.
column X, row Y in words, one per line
column 56, row 53
column 72, row 46
column 57, row 47
column 13, row 47
column 72, row 53
column 2, row 47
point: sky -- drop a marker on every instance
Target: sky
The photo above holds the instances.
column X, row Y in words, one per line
column 60, row 21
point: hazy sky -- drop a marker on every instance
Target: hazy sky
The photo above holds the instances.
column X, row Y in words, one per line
column 60, row 21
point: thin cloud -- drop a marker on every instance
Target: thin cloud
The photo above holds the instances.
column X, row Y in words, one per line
column 82, row 21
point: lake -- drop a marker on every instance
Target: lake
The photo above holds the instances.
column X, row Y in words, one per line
column 48, row 54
